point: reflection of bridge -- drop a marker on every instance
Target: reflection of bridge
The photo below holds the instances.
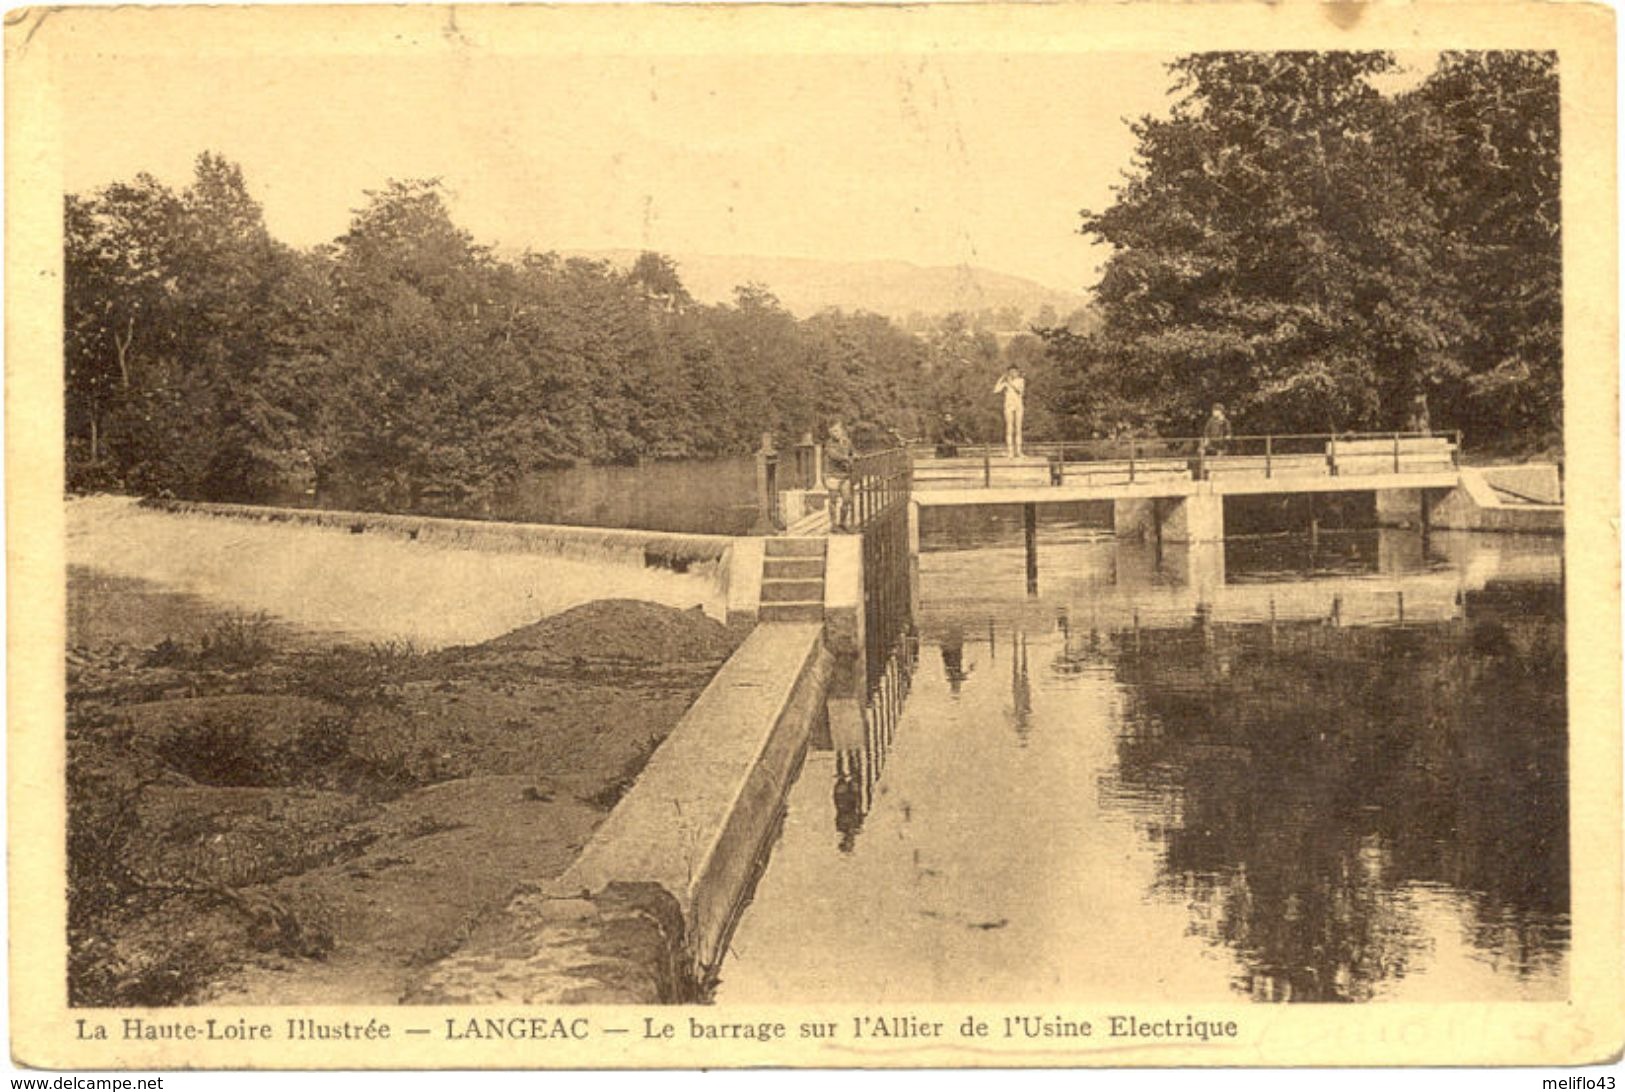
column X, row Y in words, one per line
column 1111, row 585
column 1173, row 490
column 1167, row 491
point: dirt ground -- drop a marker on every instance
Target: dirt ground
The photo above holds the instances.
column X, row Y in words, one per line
column 257, row 815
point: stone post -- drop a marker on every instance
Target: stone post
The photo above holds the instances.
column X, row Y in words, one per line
column 767, row 487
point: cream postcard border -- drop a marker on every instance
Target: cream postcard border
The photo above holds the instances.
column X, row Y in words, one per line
column 40, row 42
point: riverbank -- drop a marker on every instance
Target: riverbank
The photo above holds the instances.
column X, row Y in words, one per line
column 260, row 815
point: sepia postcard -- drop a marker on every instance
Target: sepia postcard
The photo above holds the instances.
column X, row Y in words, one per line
column 946, row 535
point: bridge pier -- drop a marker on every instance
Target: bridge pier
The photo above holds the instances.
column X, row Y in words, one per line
column 1135, row 518
column 1196, row 518
column 1198, row 566
column 1402, row 508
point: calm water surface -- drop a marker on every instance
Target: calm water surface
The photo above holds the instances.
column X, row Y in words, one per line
column 1277, row 769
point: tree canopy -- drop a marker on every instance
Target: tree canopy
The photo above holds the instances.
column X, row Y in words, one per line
column 206, row 359
column 1313, row 253
column 1289, row 240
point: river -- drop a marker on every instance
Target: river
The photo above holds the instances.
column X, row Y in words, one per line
column 1285, row 769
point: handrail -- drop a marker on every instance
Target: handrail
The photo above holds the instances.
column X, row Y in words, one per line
column 881, row 480
column 1386, row 434
column 1142, row 454
column 1045, row 447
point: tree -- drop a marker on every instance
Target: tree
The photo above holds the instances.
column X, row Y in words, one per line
column 657, row 276
column 1268, row 253
column 1486, row 126
column 172, row 317
column 409, row 290
column 116, row 246
column 867, row 373
column 964, row 364
column 1313, row 254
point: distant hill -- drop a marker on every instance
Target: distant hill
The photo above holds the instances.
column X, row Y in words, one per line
column 897, row 289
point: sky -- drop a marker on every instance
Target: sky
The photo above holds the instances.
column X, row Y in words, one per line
column 936, row 159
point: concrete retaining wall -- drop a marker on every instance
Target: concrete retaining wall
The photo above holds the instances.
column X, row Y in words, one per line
column 619, row 946
column 693, row 830
column 1537, row 482
column 705, row 806
column 1476, row 506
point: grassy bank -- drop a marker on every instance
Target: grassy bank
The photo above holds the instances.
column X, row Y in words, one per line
column 259, row 815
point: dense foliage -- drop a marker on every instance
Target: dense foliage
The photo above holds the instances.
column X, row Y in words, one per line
column 1290, row 241
column 1314, row 253
column 204, row 358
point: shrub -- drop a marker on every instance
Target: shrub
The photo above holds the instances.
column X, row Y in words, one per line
column 241, row 641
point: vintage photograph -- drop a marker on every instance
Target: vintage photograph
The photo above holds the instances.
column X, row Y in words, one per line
column 1075, row 529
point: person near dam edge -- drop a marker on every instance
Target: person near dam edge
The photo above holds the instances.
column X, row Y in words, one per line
column 839, row 455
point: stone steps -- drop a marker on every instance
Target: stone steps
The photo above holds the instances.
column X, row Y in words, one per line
column 793, row 568
column 791, row 612
column 785, row 546
column 793, row 580
column 793, row 590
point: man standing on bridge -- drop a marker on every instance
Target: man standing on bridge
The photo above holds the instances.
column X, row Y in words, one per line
column 1215, row 438
column 1216, row 432
column 1014, row 388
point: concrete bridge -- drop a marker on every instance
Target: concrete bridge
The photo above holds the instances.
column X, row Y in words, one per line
column 1173, row 490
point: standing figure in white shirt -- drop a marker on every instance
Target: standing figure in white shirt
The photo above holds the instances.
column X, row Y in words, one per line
column 1014, row 388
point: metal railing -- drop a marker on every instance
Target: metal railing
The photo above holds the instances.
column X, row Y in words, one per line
column 1159, row 456
column 881, row 482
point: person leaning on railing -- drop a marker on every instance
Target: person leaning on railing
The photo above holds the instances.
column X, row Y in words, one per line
column 1417, row 419
column 949, row 436
column 1215, row 439
column 839, row 456
column 1216, row 432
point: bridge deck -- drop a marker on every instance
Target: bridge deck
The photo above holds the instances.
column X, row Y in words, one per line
column 1176, row 468
column 1098, row 487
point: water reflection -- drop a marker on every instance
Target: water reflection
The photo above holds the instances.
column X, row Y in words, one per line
column 851, row 800
column 862, row 745
column 953, row 656
column 1285, row 770
column 1334, row 786
column 1021, row 691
